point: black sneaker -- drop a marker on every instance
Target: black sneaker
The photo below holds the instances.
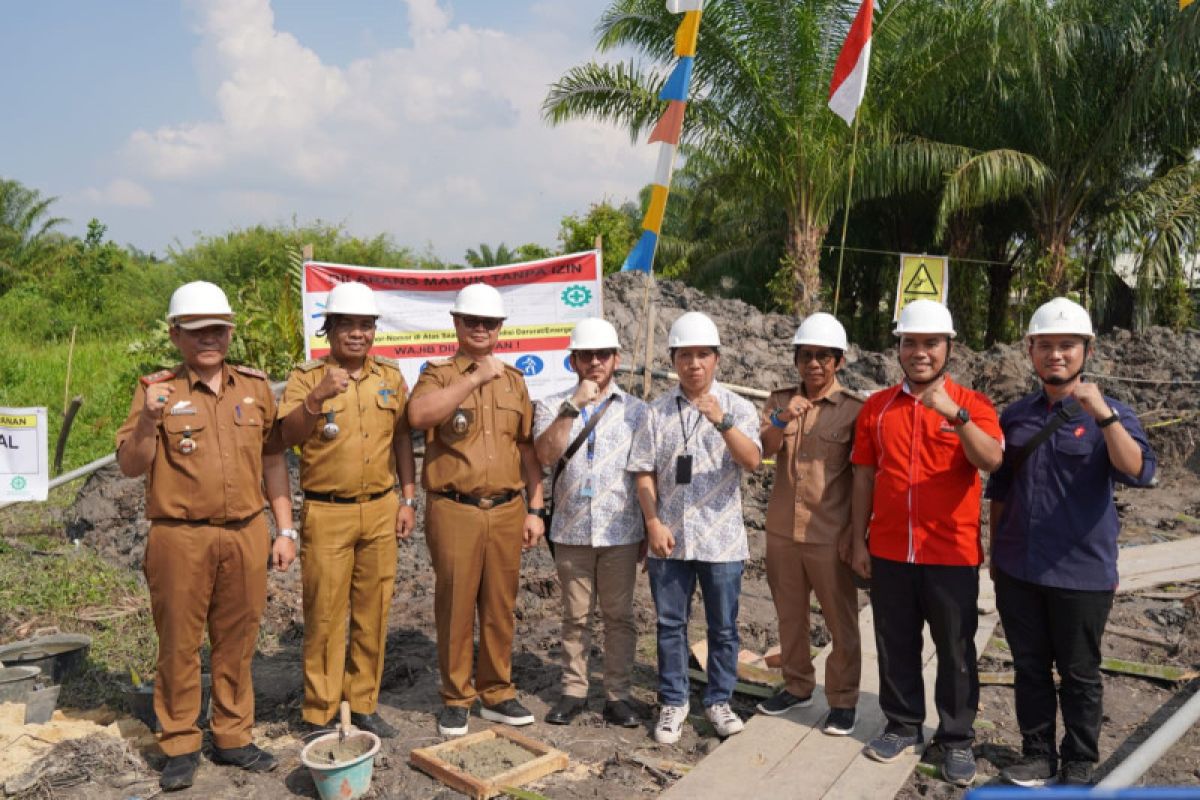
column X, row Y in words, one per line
column 373, row 723
column 250, row 758
column 452, row 721
column 839, row 722
column 1031, row 771
column 510, row 712
column 782, row 702
column 179, row 772
column 1077, row 773
column 958, row 767
column 889, row 746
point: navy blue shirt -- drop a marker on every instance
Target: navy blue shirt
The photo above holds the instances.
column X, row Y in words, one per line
column 1059, row 525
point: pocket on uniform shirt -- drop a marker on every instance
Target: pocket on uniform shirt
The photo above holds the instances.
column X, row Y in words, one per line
column 249, row 425
column 180, row 427
column 509, row 410
column 835, row 449
column 1074, row 448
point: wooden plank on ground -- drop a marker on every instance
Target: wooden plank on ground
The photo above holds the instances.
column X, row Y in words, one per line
column 773, row 752
column 1150, row 565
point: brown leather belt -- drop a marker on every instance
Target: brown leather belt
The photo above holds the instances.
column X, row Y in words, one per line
column 321, row 497
column 480, row 502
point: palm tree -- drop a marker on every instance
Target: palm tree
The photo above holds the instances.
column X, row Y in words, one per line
column 1102, row 95
column 26, row 230
column 486, row 257
column 760, row 118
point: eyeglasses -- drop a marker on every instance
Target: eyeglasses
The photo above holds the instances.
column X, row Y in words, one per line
column 822, row 357
column 488, row 323
column 587, row 356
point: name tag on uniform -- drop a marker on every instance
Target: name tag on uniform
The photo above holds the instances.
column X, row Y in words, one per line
column 182, row 408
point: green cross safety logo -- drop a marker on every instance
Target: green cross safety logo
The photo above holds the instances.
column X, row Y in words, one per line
column 577, row 296
column 18, row 483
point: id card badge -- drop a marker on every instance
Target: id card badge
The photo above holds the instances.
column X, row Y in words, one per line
column 683, row 469
column 587, row 490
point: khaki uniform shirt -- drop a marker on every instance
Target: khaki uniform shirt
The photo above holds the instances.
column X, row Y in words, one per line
column 810, row 499
column 369, row 414
column 220, row 479
column 483, row 460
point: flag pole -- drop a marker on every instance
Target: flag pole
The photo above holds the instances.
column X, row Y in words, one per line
column 837, row 292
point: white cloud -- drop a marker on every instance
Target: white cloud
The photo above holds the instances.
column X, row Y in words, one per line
column 120, row 192
column 439, row 141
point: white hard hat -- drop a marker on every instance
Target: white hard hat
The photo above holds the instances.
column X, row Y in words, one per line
column 352, row 298
column 203, row 304
column 821, row 329
column 925, row 316
column 694, row 329
column 479, row 300
column 594, row 333
column 1060, row 315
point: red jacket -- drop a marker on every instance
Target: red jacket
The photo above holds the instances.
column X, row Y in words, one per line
column 927, row 494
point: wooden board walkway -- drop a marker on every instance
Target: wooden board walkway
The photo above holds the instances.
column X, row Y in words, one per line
column 1150, row 565
column 788, row 756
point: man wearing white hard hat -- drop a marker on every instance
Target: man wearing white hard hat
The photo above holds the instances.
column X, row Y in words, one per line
column 689, row 456
column 809, row 429
column 1054, row 542
column 484, row 489
column 201, row 433
column 584, row 434
column 346, row 411
column 918, row 451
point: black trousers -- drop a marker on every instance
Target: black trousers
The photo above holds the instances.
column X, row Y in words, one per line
column 904, row 597
column 1062, row 628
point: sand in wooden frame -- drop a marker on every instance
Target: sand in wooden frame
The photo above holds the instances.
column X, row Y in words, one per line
column 546, row 760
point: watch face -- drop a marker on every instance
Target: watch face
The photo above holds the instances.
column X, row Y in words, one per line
column 964, row 416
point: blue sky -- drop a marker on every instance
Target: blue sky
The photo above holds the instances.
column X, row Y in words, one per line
column 415, row 118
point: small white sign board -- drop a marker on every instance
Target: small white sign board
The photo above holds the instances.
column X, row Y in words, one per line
column 24, row 462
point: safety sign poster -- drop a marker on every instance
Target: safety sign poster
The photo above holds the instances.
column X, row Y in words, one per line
column 543, row 300
column 922, row 278
column 24, row 466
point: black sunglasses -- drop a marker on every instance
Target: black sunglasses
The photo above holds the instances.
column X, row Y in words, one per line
column 488, row 323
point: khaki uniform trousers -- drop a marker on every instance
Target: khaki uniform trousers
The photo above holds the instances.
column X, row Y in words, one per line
column 476, row 558
column 603, row 576
column 794, row 569
column 348, row 563
column 202, row 574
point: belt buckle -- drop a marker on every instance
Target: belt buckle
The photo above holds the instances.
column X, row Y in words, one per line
column 486, row 502
column 217, row 521
column 362, row 498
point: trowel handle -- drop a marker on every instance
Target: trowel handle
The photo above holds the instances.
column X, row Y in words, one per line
column 345, row 715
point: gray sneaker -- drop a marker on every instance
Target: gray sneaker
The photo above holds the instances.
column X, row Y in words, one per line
column 889, row 746
column 1030, row 772
column 959, row 766
column 1077, row 773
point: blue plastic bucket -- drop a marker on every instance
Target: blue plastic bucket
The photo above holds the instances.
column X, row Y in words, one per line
column 343, row 780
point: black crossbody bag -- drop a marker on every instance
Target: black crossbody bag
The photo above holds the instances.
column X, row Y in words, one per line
column 571, row 450
column 1066, row 412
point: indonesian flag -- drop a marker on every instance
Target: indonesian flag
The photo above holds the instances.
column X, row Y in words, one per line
column 850, row 72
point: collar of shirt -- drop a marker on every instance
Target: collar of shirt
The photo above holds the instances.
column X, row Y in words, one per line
column 906, row 388
column 369, row 367
column 834, row 393
column 195, row 381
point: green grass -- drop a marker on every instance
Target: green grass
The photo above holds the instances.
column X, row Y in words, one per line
column 48, row 583
column 33, row 374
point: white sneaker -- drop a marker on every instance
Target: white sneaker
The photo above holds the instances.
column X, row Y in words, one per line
column 670, row 724
column 724, row 720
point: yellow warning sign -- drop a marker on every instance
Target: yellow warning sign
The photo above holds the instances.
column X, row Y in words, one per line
column 921, row 278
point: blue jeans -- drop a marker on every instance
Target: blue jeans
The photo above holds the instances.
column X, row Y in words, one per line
column 672, row 583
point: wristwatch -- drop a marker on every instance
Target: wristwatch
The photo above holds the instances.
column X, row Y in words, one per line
column 289, row 533
column 776, row 421
column 568, row 409
column 411, row 502
column 725, row 424
column 1104, row 423
column 962, row 417
column 542, row 512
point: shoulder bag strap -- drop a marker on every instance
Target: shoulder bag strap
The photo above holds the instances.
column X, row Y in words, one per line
column 1069, row 409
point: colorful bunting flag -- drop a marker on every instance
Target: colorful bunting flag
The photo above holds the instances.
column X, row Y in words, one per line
column 668, row 131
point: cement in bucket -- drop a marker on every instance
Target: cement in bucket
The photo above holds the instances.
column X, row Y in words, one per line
column 341, row 780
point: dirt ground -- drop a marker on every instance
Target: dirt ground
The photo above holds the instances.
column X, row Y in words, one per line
column 602, row 757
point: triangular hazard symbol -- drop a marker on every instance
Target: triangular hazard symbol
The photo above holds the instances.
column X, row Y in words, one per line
column 921, row 283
